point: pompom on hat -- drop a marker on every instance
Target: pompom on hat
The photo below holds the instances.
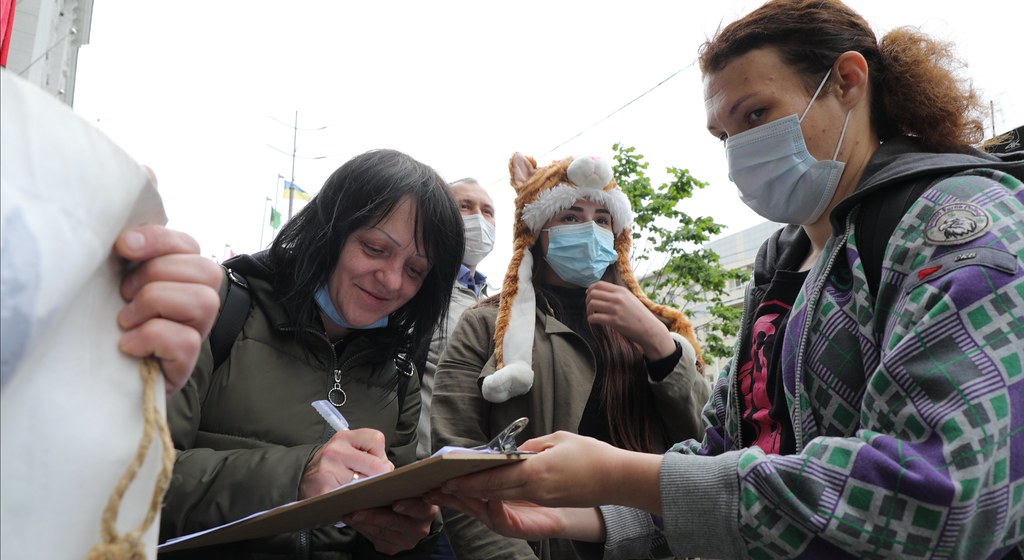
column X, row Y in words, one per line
column 540, row 194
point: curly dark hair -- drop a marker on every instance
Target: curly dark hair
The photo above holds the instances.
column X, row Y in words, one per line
column 915, row 89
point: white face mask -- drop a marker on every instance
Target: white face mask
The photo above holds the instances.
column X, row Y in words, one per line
column 479, row 239
column 776, row 176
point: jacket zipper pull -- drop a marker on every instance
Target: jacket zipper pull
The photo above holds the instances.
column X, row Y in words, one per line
column 334, row 398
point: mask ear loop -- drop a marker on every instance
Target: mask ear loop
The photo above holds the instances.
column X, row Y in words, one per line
column 816, row 92
column 842, row 134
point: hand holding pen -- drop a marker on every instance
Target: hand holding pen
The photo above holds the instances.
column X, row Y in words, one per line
column 355, row 454
column 347, row 456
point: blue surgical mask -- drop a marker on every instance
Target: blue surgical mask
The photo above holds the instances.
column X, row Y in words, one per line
column 323, row 301
column 776, row 176
column 580, row 253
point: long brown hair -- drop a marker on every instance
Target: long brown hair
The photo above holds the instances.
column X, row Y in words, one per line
column 626, row 396
column 914, row 87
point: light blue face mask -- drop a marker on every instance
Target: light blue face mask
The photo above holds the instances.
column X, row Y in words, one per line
column 323, row 301
column 776, row 176
column 580, row 253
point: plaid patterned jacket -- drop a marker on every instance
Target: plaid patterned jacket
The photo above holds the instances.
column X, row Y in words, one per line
column 908, row 408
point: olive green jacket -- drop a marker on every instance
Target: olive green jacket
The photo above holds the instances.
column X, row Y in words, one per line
column 245, row 432
column 564, row 370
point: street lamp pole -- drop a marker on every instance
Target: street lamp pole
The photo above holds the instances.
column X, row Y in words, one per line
column 295, row 142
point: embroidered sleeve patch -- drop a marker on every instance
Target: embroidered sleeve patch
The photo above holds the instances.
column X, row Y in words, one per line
column 995, row 259
column 956, row 223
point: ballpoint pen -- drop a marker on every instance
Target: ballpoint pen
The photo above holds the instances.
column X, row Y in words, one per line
column 331, row 415
column 335, row 419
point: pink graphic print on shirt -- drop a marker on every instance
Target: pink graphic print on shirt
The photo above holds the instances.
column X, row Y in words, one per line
column 753, row 377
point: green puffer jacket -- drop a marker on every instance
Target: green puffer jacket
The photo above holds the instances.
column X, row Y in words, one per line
column 245, row 432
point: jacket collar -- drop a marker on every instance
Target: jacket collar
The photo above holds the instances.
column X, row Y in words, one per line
column 256, row 270
column 547, row 315
column 784, row 250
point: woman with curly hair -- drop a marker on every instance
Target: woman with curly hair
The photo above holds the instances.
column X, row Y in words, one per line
column 873, row 407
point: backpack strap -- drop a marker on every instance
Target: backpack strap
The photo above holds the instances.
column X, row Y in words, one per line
column 406, row 369
column 877, row 220
column 231, row 318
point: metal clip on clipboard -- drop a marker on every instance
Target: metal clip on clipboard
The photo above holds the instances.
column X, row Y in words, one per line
column 505, row 441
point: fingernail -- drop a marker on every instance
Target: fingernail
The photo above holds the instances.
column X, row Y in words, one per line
column 123, row 343
column 401, row 508
column 134, row 240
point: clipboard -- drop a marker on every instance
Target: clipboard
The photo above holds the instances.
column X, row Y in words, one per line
column 410, row 481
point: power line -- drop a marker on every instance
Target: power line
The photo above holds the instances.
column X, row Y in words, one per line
column 297, row 128
column 608, row 116
column 70, row 32
column 298, row 156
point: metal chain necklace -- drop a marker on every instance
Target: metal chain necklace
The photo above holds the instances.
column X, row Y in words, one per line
column 336, row 393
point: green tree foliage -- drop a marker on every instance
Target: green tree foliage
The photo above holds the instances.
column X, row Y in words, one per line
column 691, row 276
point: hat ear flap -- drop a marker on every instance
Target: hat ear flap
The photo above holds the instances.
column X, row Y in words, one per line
column 521, row 168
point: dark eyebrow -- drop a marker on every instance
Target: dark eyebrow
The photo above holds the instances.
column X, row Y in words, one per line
column 736, row 105
column 393, row 240
column 578, row 209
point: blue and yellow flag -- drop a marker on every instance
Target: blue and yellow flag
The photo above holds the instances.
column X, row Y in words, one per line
column 297, row 193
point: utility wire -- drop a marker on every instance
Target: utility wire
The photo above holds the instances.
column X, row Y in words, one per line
column 297, row 128
column 70, row 32
column 608, row 116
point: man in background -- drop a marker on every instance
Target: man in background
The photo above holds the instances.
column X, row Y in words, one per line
column 477, row 210
column 470, row 287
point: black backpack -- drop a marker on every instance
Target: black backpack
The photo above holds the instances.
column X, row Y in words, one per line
column 881, row 212
column 877, row 220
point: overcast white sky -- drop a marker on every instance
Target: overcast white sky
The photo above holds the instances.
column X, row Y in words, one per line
column 203, row 92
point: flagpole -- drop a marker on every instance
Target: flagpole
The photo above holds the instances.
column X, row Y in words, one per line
column 295, row 139
column 273, row 205
column 277, row 195
column 263, row 224
column 295, row 154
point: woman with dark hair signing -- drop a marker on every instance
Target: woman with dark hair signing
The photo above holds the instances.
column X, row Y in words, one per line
column 347, row 286
column 874, row 404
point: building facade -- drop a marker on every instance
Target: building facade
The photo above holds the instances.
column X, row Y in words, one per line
column 735, row 252
column 44, row 43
